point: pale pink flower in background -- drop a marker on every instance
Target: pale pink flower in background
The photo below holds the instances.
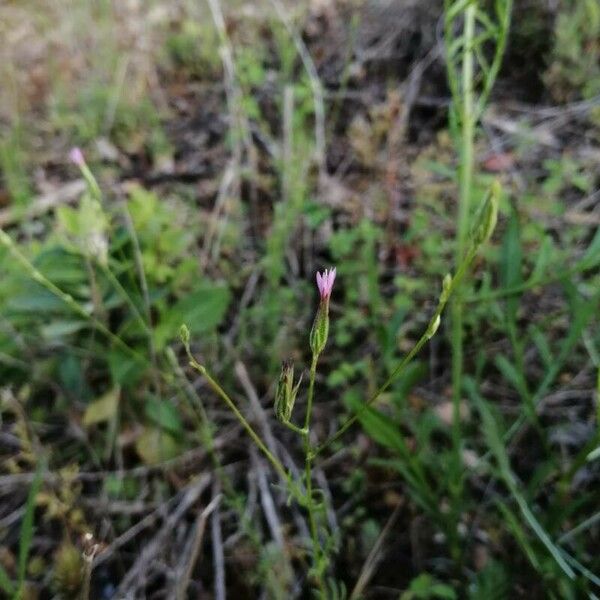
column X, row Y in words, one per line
column 325, row 283
column 76, row 157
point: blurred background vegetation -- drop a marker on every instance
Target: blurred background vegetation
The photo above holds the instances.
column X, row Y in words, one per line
column 239, row 147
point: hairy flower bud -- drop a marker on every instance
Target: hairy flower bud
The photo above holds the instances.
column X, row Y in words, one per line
column 286, row 393
column 320, row 328
column 184, row 334
column 446, row 289
column 485, row 222
column 433, row 326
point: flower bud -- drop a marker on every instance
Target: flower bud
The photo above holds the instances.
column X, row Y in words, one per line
column 433, row 326
column 320, row 328
column 446, row 289
column 285, row 397
column 76, row 157
column 184, row 334
column 485, row 222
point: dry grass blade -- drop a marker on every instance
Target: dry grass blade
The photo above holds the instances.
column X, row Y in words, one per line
column 374, row 557
column 142, row 565
column 190, row 557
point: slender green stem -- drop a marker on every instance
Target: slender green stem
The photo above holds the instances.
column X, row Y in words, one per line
column 467, row 123
column 501, row 38
column 311, row 391
column 91, row 182
column 312, row 519
column 240, row 417
column 38, row 276
column 527, row 285
column 139, row 265
column 300, row 430
column 598, row 400
column 114, row 281
column 351, row 420
column 425, row 337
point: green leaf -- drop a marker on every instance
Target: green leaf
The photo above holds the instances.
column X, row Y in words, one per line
column 155, row 446
column 414, row 373
column 103, row 409
column 515, row 526
column 124, row 370
column 543, row 259
column 59, row 329
column 71, row 374
column 493, row 437
column 63, row 267
column 511, row 374
column 543, row 346
column 315, row 214
column 202, row 311
column 592, row 255
column 426, row 587
column 36, row 299
column 164, row 414
column 379, row 426
column 491, row 583
column 593, row 455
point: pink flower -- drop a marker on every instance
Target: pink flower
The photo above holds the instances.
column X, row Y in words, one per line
column 325, row 283
column 76, row 157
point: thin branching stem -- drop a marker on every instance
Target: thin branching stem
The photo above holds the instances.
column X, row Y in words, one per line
column 308, row 458
column 39, row 277
column 240, row 417
column 466, row 172
column 456, row 280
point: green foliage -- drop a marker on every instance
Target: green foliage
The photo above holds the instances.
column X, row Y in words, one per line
column 574, row 70
column 131, row 270
column 5, row 583
column 202, row 310
column 68, row 571
column 275, row 572
column 13, row 168
column 491, row 582
column 193, row 47
column 494, row 440
column 426, row 587
column 90, row 311
column 27, row 529
column 155, row 445
column 100, row 109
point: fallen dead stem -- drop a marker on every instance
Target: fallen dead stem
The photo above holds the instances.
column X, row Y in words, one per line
column 9, row 482
column 143, row 564
column 190, row 556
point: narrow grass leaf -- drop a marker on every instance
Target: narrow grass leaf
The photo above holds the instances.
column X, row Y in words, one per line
column 5, row 583
column 543, row 260
column 520, row 535
column 493, row 438
column 510, row 373
column 510, row 265
column 592, row 255
column 27, row 526
column 543, row 346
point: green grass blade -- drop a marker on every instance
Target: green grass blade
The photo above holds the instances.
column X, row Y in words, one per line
column 494, row 441
column 6, row 585
column 510, row 266
column 27, row 527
